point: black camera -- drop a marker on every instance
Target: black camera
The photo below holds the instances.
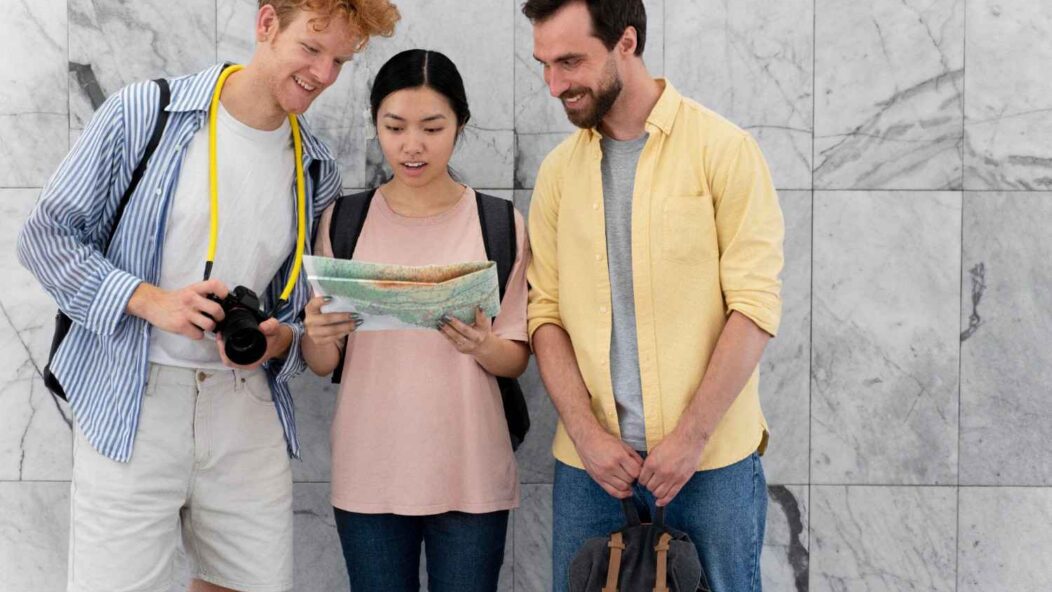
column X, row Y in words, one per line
column 244, row 343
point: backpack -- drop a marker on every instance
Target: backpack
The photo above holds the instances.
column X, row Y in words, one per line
column 62, row 322
column 497, row 218
column 641, row 557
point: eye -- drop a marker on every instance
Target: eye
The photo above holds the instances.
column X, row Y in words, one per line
column 309, row 49
column 392, row 128
column 433, row 130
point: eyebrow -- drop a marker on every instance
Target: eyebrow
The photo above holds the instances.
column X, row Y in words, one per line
column 562, row 58
column 426, row 119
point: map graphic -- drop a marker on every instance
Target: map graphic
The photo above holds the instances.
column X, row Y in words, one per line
column 399, row 297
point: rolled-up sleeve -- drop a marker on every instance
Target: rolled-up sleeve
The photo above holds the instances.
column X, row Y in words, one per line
column 750, row 231
column 543, row 272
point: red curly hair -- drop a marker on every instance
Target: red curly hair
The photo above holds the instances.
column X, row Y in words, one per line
column 366, row 18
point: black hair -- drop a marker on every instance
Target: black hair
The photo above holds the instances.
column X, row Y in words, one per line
column 414, row 68
column 610, row 18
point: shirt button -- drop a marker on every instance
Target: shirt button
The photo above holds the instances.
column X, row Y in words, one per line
column 602, row 309
column 595, row 206
column 201, row 376
column 598, row 257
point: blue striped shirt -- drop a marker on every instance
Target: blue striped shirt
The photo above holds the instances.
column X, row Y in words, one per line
column 102, row 364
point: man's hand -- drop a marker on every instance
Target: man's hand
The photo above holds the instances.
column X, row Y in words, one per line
column 279, row 338
column 610, row 462
column 670, row 464
column 186, row 311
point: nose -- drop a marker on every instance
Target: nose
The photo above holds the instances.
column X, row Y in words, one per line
column 414, row 143
column 557, row 85
column 325, row 70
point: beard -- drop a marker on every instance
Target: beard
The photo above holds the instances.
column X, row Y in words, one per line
column 602, row 99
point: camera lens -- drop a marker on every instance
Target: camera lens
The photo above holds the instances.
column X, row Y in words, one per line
column 244, row 343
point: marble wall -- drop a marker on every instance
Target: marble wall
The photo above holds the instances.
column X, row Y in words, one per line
column 910, row 141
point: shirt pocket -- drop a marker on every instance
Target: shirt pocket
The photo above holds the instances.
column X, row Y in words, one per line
column 687, row 230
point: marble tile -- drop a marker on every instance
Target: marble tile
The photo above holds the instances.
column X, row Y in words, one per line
column 33, row 106
column 1008, row 98
column 319, row 565
column 530, row 150
column 784, row 561
column 757, row 71
column 536, row 111
column 888, row 88
column 533, row 540
column 785, row 386
column 1006, row 367
column 536, row 463
column 114, row 43
column 34, row 536
column 1004, row 539
column 32, row 145
column 35, row 435
column 315, row 399
column 883, row 538
column 885, row 344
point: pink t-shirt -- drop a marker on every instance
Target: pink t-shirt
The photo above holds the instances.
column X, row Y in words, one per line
column 419, row 427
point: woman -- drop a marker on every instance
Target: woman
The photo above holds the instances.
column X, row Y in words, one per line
column 421, row 451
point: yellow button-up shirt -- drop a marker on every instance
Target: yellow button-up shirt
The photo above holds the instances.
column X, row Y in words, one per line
column 706, row 240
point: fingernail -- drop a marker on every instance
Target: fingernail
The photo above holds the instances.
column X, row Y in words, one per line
column 446, row 318
column 327, row 298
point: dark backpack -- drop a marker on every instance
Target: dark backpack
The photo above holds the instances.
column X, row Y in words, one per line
column 641, row 557
column 497, row 218
column 62, row 322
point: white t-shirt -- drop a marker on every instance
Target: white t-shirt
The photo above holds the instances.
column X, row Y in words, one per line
column 257, row 223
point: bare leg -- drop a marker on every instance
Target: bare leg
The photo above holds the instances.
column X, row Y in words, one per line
column 203, row 586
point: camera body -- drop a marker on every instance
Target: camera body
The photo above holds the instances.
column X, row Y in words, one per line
column 244, row 343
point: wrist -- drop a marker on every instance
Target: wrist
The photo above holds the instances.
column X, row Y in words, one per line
column 141, row 300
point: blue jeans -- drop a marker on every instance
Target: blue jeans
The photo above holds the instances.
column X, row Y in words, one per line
column 723, row 511
column 464, row 551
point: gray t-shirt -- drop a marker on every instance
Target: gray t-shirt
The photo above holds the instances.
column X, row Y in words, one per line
column 619, row 176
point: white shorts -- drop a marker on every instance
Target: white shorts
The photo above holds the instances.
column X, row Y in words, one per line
column 209, row 462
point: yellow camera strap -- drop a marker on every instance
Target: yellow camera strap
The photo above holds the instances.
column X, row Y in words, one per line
column 301, row 188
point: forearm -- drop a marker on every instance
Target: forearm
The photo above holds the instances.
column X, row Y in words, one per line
column 503, row 357
column 562, row 378
column 322, row 359
column 733, row 361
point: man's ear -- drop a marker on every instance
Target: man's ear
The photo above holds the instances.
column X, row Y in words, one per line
column 267, row 24
column 628, row 41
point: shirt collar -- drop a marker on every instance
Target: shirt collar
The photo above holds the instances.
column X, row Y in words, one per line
column 194, row 93
column 662, row 116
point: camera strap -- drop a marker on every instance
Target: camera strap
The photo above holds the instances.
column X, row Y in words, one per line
column 301, row 188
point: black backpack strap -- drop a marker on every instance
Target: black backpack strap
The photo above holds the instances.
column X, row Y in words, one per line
column 348, row 219
column 151, row 147
column 497, row 217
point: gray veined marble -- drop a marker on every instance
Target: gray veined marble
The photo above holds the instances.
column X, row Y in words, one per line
column 785, row 385
column 114, row 43
column 885, row 338
column 751, row 62
column 1008, row 102
column 786, row 555
column 533, row 539
column 878, row 539
column 1003, row 535
column 1006, row 365
column 34, row 535
column 888, row 94
column 534, row 456
column 33, row 105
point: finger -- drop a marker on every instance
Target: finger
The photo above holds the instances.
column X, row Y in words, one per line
column 461, row 327
column 482, row 321
column 209, row 307
column 645, row 475
column 201, row 322
column 270, row 327
column 456, row 338
column 617, row 492
column 671, row 495
column 337, row 330
column 314, row 304
column 212, row 286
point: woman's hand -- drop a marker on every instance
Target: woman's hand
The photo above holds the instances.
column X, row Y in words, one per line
column 468, row 339
column 328, row 327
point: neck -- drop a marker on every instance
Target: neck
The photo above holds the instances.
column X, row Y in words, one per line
column 628, row 116
column 247, row 99
column 426, row 200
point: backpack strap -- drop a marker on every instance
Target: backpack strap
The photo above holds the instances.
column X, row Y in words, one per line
column 661, row 579
column 617, row 547
column 497, row 218
column 345, row 228
column 151, row 147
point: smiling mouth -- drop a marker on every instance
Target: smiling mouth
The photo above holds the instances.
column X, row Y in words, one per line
column 572, row 100
column 299, row 82
column 414, row 165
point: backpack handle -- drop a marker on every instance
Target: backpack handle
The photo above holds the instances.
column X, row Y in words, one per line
column 632, row 515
